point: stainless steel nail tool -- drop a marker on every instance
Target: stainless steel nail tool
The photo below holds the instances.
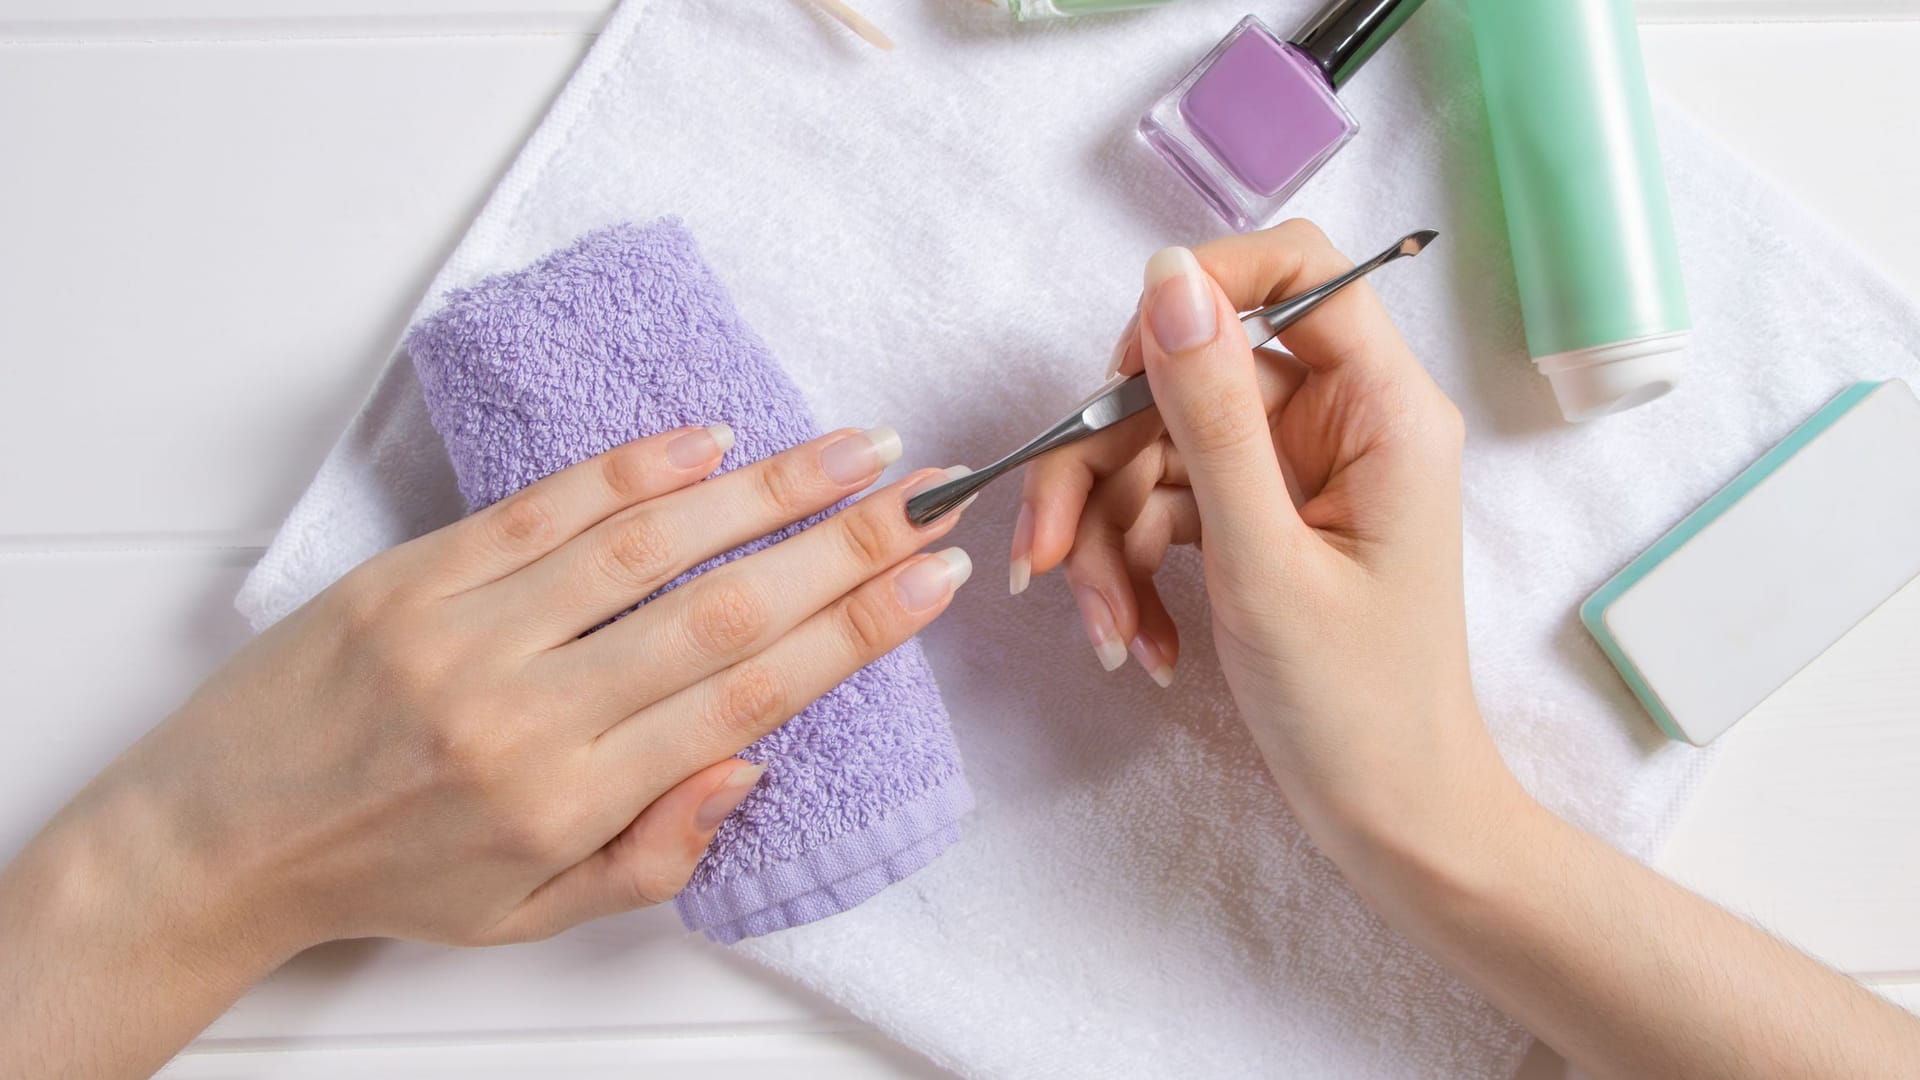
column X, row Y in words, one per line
column 1122, row 397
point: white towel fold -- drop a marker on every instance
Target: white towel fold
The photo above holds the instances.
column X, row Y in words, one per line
column 946, row 238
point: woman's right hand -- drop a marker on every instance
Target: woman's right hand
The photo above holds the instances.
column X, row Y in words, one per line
column 1323, row 486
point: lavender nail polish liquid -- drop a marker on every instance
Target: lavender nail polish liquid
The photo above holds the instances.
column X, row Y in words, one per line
column 1260, row 115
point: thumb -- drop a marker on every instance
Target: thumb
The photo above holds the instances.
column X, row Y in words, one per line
column 1208, row 391
column 648, row 863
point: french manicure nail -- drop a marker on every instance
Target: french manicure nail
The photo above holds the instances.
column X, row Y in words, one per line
column 731, row 793
column 929, row 581
column 1020, row 565
column 1152, row 659
column 951, row 472
column 1100, row 630
column 1179, row 300
column 851, row 459
column 696, row 447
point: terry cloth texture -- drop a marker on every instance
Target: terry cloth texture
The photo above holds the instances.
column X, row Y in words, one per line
column 628, row 333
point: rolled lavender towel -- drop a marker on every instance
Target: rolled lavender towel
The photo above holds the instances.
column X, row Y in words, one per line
column 628, row 333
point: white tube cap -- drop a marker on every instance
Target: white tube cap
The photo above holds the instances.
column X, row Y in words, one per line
column 1606, row 379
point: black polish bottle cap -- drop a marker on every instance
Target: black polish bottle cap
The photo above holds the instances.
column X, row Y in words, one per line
column 1341, row 36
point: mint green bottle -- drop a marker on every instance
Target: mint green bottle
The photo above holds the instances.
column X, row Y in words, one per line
column 1049, row 9
column 1586, row 204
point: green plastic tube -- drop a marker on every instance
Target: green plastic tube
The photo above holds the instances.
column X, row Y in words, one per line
column 1586, row 204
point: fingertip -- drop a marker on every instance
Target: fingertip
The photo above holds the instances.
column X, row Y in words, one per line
column 1156, row 643
column 1060, row 485
column 1104, row 596
column 1182, row 311
column 1055, row 493
column 1166, row 264
column 928, row 582
column 1103, row 633
column 959, row 565
column 699, row 446
column 1152, row 659
column 1020, row 558
column 1054, row 529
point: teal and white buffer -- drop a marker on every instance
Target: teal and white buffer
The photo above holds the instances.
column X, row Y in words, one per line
column 1774, row 569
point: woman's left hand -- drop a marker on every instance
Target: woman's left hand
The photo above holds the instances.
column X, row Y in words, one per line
column 431, row 748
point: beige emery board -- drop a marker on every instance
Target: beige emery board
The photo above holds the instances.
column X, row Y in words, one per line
column 1773, row 569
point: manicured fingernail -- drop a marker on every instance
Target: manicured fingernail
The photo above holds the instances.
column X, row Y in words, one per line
column 1120, row 347
column 730, row 794
column 853, row 458
column 1020, row 565
column 929, row 581
column 1152, row 659
column 1100, row 630
column 697, row 447
column 951, row 472
column 1179, row 300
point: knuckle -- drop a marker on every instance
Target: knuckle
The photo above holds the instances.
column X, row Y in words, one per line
column 536, row 834
column 750, row 700
column 870, row 536
column 626, row 473
column 727, row 620
column 783, row 485
column 525, row 520
column 1304, row 233
column 360, row 602
column 1309, row 254
column 412, row 671
column 639, row 552
column 403, row 657
column 459, row 752
column 870, row 625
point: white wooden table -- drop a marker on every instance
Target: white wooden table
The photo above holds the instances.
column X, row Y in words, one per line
column 215, row 216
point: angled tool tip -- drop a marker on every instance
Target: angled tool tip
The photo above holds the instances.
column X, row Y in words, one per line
column 1414, row 242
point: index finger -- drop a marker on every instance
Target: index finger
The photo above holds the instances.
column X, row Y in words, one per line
column 501, row 538
column 1255, row 270
column 1056, row 489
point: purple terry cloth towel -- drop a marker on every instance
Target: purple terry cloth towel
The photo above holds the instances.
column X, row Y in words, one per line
column 629, row 333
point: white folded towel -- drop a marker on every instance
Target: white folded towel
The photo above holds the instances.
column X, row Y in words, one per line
column 947, row 238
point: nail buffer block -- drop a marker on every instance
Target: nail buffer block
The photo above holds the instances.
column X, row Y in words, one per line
column 1772, row 570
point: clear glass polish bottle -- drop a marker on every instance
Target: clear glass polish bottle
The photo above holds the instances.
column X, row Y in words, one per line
column 1260, row 115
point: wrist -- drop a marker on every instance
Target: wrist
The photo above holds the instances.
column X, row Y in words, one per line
column 126, row 862
column 1436, row 807
column 119, row 946
column 1451, row 860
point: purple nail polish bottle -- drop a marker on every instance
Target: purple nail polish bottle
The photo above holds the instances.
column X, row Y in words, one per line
column 1259, row 115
